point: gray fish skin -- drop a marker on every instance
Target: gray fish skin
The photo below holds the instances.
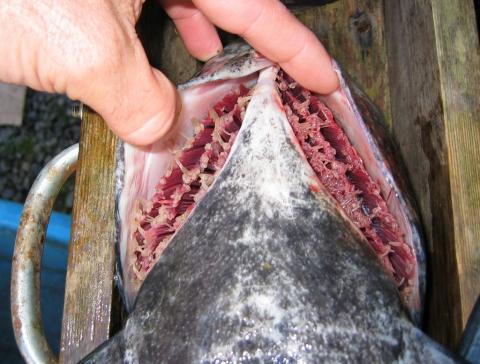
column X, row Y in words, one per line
column 267, row 269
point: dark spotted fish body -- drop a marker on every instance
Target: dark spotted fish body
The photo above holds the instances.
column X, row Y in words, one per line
column 267, row 267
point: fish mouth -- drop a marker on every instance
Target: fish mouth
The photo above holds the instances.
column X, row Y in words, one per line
column 344, row 160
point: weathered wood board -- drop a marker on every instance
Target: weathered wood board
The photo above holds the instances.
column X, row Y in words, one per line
column 418, row 62
column 435, row 100
column 89, row 282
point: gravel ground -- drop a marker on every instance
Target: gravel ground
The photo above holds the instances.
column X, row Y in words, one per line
column 47, row 129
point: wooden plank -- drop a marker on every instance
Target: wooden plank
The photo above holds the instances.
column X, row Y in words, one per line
column 353, row 33
column 458, row 54
column 435, row 82
column 89, row 281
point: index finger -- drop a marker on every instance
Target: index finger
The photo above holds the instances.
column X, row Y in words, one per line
column 272, row 30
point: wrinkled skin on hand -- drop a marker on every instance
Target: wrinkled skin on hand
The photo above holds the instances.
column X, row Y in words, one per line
column 90, row 51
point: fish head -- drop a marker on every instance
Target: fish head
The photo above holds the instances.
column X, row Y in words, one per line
column 338, row 138
column 268, row 265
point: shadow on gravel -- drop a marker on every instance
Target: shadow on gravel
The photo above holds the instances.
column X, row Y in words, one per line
column 47, row 129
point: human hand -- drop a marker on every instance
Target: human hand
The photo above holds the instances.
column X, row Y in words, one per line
column 89, row 50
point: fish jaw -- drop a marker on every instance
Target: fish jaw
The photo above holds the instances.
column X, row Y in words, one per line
column 268, row 268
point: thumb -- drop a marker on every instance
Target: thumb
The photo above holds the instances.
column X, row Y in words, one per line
column 137, row 101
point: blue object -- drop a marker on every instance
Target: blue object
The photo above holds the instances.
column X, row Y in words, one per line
column 54, row 266
column 470, row 345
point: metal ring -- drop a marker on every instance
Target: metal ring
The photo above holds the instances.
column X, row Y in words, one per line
column 27, row 257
